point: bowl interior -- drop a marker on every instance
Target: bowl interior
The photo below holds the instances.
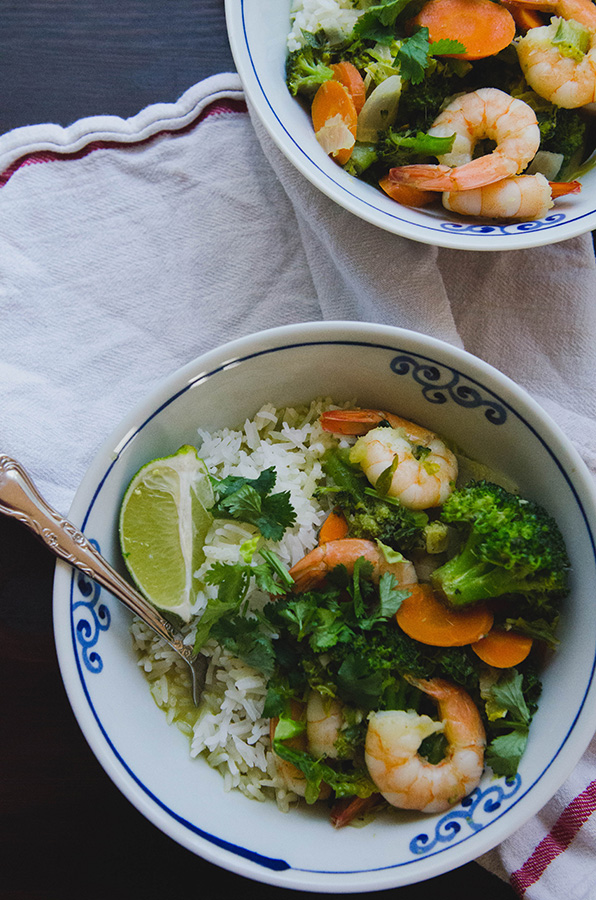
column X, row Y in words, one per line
column 423, row 380
column 257, row 30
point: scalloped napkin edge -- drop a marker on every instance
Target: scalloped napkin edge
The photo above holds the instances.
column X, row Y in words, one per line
column 152, row 119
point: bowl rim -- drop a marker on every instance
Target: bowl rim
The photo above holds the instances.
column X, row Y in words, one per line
column 452, row 232
column 179, row 381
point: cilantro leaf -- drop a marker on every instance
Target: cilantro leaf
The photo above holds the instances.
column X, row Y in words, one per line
column 250, row 500
column 245, row 638
column 358, row 682
column 232, row 581
column 504, row 752
column 378, row 22
column 416, row 52
column 356, row 783
column 508, row 694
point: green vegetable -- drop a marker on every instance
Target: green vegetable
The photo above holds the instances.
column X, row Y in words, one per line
column 416, row 52
column 369, row 515
column 571, row 39
column 567, row 137
column 400, row 148
column 510, row 546
column 505, row 751
column 306, row 69
column 251, row 500
column 378, row 22
column 355, row 783
column 232, row 582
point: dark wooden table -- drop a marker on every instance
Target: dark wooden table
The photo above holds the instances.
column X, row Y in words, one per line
column 66, row 831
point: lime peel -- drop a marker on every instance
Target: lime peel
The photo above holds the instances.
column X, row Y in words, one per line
column 164, row 519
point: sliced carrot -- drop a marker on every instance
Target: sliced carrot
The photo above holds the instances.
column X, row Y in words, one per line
column 503, row 649
column 334, row 528
column 334, row 119
column 483, row 27
column 524, row 17
column 348, row 75
column 406, row 194
column 560, row 188
column 423, row 617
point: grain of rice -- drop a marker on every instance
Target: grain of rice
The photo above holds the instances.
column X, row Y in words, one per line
column 335, row 17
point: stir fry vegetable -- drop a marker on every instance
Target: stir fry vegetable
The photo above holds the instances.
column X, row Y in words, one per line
column 458, row 101
column 360, row 649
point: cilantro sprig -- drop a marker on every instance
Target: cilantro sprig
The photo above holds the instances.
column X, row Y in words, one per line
column 233, row 581
column 378, row 22
column 505, row 751
column 415, row 54
column 250, row 500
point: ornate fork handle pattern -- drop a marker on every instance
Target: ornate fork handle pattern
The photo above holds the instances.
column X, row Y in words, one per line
column 20, row 499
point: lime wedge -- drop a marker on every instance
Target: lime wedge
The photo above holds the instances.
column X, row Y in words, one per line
column 164, row 519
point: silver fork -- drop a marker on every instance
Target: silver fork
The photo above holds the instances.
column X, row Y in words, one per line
column 20, row 499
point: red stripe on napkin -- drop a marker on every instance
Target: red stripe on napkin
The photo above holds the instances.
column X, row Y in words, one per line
column 42, row 156
column 557, row 840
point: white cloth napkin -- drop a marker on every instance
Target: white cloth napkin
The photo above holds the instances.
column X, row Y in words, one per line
column 127, row 248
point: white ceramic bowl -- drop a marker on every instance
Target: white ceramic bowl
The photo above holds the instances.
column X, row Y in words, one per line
column 425, row 380
column 257, row 32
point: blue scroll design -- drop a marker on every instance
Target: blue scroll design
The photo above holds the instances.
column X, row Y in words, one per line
column 474, row 812
column 92, row 617
column 507, row 228
column 442, row 384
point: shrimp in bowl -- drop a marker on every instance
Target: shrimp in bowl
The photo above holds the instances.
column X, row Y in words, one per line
column 478, row 109
column 372, row 662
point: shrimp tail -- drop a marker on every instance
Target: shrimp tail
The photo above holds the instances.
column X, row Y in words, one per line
column 561, row 188
column 351, row 421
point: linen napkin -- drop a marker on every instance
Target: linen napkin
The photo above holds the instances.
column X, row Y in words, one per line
column 129, row 247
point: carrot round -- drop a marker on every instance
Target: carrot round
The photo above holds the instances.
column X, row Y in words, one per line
column 406, row 194
column 334, row 528
column 483, row 27
column 334, row 115
column 525, row 18
column 503, row 649
column 348, row 75
column 423, row 617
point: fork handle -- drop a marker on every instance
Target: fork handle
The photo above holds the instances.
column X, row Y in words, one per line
column 20, row 499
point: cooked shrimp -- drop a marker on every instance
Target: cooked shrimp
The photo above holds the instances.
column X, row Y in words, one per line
column 359, row 421
column 424, row 474
column 565, row 80
column 582, row 11
column 426, row 469
column 316, row 565
column 519, row 197
column 485, row 113
column 324, row 720
column 407, row 780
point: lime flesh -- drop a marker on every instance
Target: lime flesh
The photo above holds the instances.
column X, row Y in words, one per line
column 164, row 519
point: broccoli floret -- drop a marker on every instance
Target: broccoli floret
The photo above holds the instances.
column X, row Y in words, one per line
column 306, row 70
column 420, row 103
column 390, row 523
column 568, row 138
column 510, row 546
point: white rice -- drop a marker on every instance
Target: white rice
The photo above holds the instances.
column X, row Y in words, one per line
column 228, row 730
column 335, row 17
